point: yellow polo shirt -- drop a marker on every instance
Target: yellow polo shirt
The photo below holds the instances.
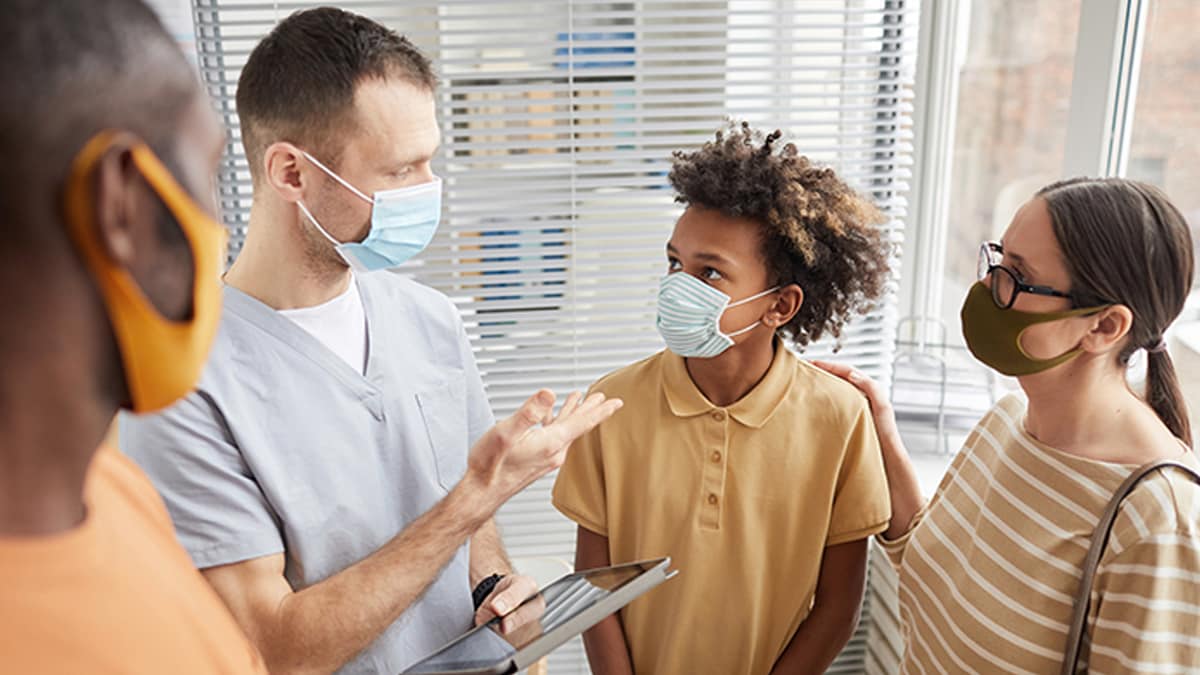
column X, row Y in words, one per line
column 743, row 498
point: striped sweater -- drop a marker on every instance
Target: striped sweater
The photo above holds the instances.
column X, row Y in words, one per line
column 990, row 567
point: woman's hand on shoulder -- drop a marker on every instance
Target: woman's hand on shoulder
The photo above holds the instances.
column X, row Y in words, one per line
column 877, row 398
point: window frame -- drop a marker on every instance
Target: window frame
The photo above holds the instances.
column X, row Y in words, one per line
column 1108, row 54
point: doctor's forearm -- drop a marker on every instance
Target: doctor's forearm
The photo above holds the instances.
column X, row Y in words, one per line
column 323, row 627
column 488, row 556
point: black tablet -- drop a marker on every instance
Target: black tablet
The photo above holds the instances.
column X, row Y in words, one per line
column 573, row 604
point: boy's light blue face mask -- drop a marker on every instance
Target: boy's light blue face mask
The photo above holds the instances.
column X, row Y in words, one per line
column 403, row 222
column 689, row 316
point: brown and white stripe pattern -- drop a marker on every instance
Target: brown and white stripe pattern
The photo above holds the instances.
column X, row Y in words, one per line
column 990, row 568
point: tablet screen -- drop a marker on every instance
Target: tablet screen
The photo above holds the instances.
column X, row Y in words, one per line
column 564, row 599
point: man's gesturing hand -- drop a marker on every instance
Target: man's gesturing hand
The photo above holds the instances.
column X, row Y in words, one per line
column 533, row 441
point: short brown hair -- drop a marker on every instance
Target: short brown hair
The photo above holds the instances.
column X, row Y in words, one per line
column 817, row 232
column 298, row 84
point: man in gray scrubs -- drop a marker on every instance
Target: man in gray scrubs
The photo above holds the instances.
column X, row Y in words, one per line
column 320, row 475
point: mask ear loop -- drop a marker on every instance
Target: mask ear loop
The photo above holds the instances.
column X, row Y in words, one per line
column 338, row 178
column 329, row 172
column 745, row 330
column 743, row 301
column 753, row 297
column 320, row 229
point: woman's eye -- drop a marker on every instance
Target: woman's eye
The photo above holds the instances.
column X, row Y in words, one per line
column 674, row 265
column 1012, row 267
column 710, row 274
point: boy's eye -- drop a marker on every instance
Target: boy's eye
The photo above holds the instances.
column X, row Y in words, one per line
column 710, row 274
column 673, row 265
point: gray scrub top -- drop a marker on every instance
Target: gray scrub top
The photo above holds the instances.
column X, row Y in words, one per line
column 284, row 447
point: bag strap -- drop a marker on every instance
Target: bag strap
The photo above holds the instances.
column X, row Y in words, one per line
column 1083, row 599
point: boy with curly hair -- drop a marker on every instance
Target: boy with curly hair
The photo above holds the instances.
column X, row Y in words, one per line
column 759, row 474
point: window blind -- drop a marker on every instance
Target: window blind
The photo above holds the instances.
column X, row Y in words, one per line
column 559, row 118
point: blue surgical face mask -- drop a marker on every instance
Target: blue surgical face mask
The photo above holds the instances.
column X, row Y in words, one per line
column 402, row 223
column 689, row 316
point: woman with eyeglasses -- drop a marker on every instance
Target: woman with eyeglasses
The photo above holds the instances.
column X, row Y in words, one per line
column 1089, row 272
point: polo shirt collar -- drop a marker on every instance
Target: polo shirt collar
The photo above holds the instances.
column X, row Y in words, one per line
column 752, row 410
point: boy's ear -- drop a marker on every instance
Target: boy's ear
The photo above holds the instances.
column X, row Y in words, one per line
column 789, row 301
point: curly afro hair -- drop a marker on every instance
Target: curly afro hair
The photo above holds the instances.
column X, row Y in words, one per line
column 817, row 232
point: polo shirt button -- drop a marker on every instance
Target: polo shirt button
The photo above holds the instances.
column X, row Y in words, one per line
column 716, row 457
column 719, row 415
column 712, row 499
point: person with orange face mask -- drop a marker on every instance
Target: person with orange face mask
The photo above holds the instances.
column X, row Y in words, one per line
column 110, row 299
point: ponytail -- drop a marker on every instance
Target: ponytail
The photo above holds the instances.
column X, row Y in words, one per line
column 1125, row 243
column 1164, row 395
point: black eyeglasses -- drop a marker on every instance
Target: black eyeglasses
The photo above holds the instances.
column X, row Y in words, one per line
column 1005, row 284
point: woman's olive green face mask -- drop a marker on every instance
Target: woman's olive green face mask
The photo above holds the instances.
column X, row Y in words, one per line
column 994, row 335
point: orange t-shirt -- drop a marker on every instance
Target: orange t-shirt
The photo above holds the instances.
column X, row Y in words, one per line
column 116, row 594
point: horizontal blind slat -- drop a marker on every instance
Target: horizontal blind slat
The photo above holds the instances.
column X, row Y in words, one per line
column 559, row 119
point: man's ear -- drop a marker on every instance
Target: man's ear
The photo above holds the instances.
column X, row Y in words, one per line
column 124, row 211
column 137, row 233
column 788, row 301
column 286, row 170
column 1109, row 327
